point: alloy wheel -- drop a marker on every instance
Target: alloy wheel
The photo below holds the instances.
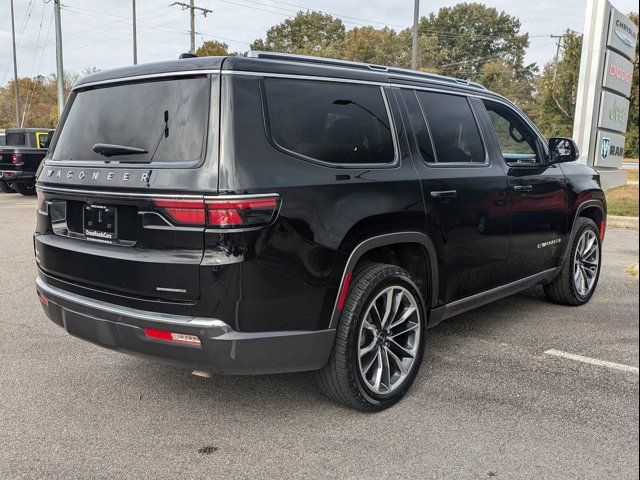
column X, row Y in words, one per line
column 389, row 339
column 586, row 263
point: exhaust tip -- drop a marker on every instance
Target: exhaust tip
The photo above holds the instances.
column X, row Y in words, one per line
column 200, row 373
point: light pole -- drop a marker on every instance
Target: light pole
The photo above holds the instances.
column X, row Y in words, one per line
column 414, row 40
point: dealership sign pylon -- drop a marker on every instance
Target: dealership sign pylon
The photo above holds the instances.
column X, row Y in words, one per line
column 604, row 86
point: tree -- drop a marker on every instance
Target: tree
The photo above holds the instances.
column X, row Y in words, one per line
column 213, row 48
column 631, row 143
column 463, row 38
column 309, row 33
column 557, row 88
column 371, row 45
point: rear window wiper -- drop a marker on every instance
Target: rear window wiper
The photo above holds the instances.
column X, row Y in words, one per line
column 109, row 150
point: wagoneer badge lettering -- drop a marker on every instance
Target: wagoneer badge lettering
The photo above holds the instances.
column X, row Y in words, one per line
column 111, row 175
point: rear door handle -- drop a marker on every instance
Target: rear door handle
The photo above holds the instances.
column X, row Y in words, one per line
column 523, row 188
column 444, row 194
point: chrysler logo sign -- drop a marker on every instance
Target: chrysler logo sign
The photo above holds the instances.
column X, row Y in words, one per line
column 626, row 40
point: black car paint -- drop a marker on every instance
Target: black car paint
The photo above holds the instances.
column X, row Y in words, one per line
column 285, row 278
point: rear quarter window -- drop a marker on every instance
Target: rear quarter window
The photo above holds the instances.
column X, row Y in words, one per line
column 331, row 122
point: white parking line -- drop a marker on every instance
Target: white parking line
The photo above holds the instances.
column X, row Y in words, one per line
column 592, row 361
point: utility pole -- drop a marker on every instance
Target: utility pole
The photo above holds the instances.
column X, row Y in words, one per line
column 135, row 38
column 59, row 69
column 555, row 74
column 414, row 40
column 192, row 10
column 15, row 68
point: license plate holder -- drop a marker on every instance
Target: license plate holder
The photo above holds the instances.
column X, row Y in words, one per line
column 100, row 222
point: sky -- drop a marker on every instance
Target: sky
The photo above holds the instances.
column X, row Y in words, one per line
column 97, row 33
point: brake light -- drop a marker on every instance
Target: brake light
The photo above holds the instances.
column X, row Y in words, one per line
column 241, row 212
column 174, row 337
column 16, row 159
column 183, row 212
column 220, row 212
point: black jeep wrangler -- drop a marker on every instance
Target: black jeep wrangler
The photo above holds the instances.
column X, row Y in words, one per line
column 277, row 213
column 20, row 156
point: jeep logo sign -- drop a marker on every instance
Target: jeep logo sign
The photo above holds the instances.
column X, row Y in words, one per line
column 614, row 112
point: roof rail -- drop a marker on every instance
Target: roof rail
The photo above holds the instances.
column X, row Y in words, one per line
column 350, row 64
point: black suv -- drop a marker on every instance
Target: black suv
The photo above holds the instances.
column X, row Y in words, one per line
column 21, row 152
column 276, row 213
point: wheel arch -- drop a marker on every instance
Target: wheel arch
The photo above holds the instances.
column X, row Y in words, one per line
column 375, row 243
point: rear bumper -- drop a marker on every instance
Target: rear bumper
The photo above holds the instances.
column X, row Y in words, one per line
column 16, row 176
column 223, row 350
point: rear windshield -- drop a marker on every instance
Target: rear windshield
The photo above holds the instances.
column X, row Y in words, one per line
column 16, row 139
column 167, row 119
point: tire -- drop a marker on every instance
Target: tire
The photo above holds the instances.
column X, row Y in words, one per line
column 342, row 379
column 27, row 189
column 566, row 289
column 6, row 187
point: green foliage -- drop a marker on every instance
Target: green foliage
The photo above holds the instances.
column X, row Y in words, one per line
column 557, row 88
column 371, row 45
column 38, row 101
column 463, row 38
column 213, row 48
column 309, row 33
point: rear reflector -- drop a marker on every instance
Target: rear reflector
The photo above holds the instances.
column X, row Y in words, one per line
column 174, row 337
column 343, row 293
column 16, row 159
column 603, row 227
column 43, row 299
column 221, row 213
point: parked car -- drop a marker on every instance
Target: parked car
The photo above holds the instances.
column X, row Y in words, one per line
column 277, row 213
column 20, row 158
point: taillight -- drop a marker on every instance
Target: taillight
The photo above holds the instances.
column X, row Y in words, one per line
column 221, row 212
column 241, row 212
column 16, row 159
column 183, row 212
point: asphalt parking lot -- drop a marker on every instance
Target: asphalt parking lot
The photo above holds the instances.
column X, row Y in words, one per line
column 488, row 402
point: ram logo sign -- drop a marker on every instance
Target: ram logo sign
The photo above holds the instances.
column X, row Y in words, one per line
column 604, row 151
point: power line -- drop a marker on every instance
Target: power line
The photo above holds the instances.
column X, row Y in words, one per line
column 192, row 23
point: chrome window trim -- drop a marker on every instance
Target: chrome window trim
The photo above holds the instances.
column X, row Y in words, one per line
column 149, row 76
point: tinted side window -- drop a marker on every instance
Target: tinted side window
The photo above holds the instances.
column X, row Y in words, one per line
column 516, row 141
column 418, row 125
column 331, row 122
column 455, row 133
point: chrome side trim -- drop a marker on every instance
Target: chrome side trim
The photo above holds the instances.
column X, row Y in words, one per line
column 483, row 298
column 303, row 77
column 179, row 320
column 181, row 73
column 105, row 193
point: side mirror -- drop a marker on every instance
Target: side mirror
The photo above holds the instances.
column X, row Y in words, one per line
column 562, row 150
